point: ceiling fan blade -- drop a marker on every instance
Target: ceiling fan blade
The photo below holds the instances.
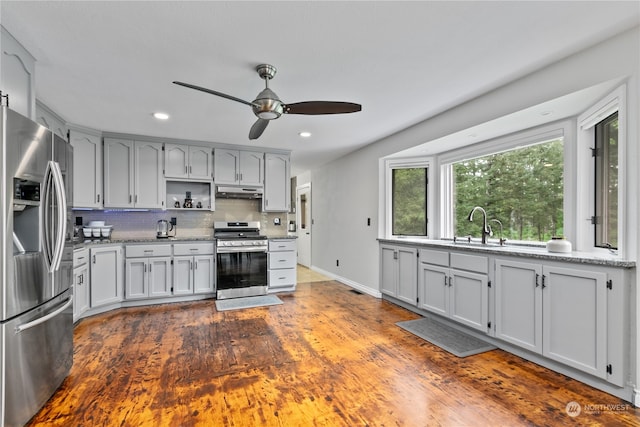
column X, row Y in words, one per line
column 213, row 92
column 257, row 128
column 322, row 107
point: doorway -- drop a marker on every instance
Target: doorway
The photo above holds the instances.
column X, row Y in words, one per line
column 303, row 219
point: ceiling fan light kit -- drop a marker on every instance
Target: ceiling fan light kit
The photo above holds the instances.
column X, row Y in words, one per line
column 267, row 106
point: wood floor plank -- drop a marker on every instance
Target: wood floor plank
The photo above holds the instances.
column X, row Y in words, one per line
column 325, row 357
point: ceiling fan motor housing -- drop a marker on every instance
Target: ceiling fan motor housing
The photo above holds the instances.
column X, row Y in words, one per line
column 267, row 105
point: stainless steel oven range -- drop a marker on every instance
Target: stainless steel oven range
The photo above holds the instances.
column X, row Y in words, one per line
column 241, row 259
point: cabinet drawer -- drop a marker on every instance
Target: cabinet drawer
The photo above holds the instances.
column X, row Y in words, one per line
column 282, row 260
column 279, row 278
column 282, row 245
column 137, row 251
column 193, row 249
column 430, row 256
column 80, row 257
column 478, row 264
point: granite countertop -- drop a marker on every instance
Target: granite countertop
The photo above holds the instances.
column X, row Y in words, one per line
column 520, row 251
column 93, row 242
column 123, row 241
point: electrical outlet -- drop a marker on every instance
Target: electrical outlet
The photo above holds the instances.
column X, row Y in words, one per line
column 174, row 220
column 337, row 263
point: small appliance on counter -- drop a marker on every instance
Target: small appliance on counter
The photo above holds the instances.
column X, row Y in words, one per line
column 163, row 228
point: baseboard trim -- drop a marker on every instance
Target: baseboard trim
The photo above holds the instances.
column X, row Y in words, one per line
column 352, row 284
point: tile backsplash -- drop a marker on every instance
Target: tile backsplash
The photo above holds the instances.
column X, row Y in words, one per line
column 191, row 223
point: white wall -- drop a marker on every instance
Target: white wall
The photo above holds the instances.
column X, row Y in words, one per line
column 345, row 192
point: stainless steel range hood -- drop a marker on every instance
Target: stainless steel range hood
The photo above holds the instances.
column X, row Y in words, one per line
column 232, row 192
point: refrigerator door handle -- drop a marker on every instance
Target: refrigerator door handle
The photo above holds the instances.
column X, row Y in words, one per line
column 53, row 240
column 33, row 323
column 47, row 237
column 61, row 217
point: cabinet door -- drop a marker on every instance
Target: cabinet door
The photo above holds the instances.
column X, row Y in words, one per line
column 433, row 284
column 574, row 318
column 388, row 270
column 135, row 273
column 80, row 291
column 118, row 173
column 277, row 183
column 106, row 276
column 182, row 275
column 149, row 189
column 176, row 161
column 17, row 75
column 203, row 274
column 87, row 170
column 407, row 275
column 251, row 167
column 159, row 276
column 518, row 308
column 200, row 163
column 469, row 299
column 226, row 166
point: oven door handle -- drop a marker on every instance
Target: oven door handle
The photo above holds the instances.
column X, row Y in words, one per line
column 241, row 250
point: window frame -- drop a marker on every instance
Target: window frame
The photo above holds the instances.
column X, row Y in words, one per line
column 560, row 129
column 614, row 102
column 406, row 163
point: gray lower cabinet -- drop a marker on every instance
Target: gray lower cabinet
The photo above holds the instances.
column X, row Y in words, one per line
column 455, row 285
column 564, row 314
column 398, row 266
column 282, row 262
column 147, row 271
column 193, row 268
column 81, row 282
column 106, row 275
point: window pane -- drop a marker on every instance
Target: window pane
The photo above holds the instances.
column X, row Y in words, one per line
column 606, row 191
column 409, row 202
column 522, row 188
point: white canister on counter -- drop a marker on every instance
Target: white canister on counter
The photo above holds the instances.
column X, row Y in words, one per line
column 559, row 244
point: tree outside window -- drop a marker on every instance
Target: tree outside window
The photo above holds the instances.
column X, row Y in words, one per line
column 522, row 188
column 409, row 201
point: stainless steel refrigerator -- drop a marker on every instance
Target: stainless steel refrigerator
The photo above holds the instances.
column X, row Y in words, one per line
column 36, row 266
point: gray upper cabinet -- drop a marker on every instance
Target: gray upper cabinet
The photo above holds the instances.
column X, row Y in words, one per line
column 187, row 162
column 133, row 174
column 87, row 168
column 51, row 120
column 277, row 183
column 237, row 167
column 17, row 74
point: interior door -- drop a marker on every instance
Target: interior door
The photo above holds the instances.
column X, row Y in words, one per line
column 303, row 221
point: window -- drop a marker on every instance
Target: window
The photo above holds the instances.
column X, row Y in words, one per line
column 601, row 155
column 522, row 188
column 605, row 154
column 406, row 190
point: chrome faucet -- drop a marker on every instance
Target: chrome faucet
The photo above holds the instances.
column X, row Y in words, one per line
column 485, row 228
column 502, row 240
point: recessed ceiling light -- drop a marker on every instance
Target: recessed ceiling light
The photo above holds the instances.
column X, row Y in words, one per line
column 305, row 134
column 161, row 116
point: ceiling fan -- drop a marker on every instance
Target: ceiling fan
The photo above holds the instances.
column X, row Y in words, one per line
column 267, row 106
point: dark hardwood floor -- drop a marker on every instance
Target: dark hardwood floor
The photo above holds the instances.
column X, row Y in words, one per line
column 326, row 357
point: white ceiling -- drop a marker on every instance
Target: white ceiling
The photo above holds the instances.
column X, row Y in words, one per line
column 109, row 65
